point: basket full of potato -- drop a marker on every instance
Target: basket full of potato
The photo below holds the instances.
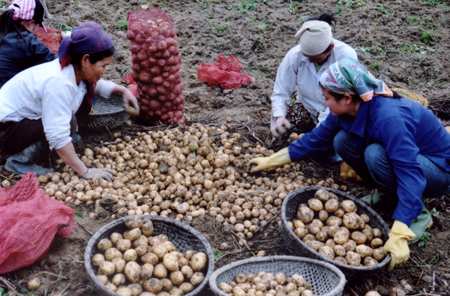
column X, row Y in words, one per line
column 330, row 225
column 148, row 255
column 278, row 275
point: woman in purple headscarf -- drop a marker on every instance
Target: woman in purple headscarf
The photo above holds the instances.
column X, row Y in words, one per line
column 39, row 105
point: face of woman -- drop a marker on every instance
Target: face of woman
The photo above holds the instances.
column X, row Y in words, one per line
column 336, row 107
column 93, row 72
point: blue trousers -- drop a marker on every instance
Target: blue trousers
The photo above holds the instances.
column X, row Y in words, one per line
column 373, row 164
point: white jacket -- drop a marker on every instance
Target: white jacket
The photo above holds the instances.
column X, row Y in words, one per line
column 296, row 70
column 45, row 91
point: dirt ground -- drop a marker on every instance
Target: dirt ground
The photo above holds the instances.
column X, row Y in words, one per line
column 402, row 42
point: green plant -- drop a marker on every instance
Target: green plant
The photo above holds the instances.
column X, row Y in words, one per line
column 292, row 7
column 435, row 212
column 378, row 50
column 220, row 29
column 427, row 36
column 363, row 50
column 432, row 2
column 123, row 25
column 1, row 6
column 375, row 65
column 410, row 48
column 2, row 290
column 217, row 254
column 424, row 240
column 350, row 3
column 79, row 214
column 63, row 27
column 382, row 9
column 412, row 20
column 153, row 2
column 248, row 5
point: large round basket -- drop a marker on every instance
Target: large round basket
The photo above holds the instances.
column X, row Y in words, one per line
column 183, row 236
column 297, row 247
column 324, row 278
column 108, row 113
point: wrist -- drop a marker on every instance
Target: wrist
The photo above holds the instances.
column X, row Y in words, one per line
column 86, row 173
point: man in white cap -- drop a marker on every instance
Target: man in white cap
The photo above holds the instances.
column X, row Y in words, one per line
column 302, row 67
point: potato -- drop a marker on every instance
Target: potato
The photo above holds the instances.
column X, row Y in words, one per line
column 97, row 259
column 316, row 245
column 198, row 261
column 154, row 240
column 133, row 221
column 147, row 294
column 331, row 230
column 188, row 254
column 350, row 245
column 119, row 264
column 141, row 241
column 322, row 195
column 104, row 244
column 369, row 261
column 364, row 251
column 107, row 268
column 340, row 251
column 323, row 215
column 298, row 280
column 237, row 291
column 124, row 291
column 130, row 255
column 225, row 287
column 132, row 234
column 153, row 285
column 146, row 271
column 169, row 246
column 160, row 271
column 167, row 284
column 33, row 284
column 339, row 213
column 118, row 279
column 314, row 228
column 341, row 237
column 353, row 258
column 322, row 236
column 141, row 250
column 114, row 237
column 315, row 204
column 298, row 224
column 240, row 278
column 135, row 289
column 358, row 237
column 334, row 221
column 341, row 260
column 327, row 252
column 348, row 206
column 309, row 237
column 123, row 244
column 330, row 242
column 307, row 293
column 177, row 277
column 378, row 254
column 187, row 271
column 365, row 218
column 376, row 242
column 352, row 220
column 150, row 258
column 170, row 261
column 301, row 232
column 186, row 287
column 175, row 292
column 133, row 271
column 291, row 287
column 197, row 278
column 376, row 233
column 368, row 233
column 147, row 228
column 305, row 214
column 160, row 250
column 331, row 205
column 280, row 278
column 372, row 293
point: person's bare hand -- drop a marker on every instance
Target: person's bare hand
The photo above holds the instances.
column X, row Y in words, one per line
column 281, row 126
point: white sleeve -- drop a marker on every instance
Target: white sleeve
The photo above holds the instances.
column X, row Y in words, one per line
column 285, row 83
column 323, row 115
column 57, row 113
column 104, row 88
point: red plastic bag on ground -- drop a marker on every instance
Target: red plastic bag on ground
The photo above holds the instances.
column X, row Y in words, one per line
column 51, row 38
column 224, row 72
column 29, row 220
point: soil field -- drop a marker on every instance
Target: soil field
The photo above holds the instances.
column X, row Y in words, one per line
column 403, row 42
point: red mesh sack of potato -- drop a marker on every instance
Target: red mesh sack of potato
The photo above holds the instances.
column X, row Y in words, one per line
column 156, row 66
column 29, row 220
column 225, row 72
column 51, row 38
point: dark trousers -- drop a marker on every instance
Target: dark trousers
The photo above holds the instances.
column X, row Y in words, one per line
column 16, row 136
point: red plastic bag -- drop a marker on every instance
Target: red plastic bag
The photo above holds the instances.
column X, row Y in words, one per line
column 52, row 38
column 29, row 220
column 224, row 72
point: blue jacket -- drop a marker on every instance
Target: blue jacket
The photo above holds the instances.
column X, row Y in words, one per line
column 404, row 128
column 17, row 55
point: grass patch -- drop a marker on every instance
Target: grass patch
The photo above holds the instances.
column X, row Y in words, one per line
column 251, row 5
column 375, row 65
column 382, row 9
column 350, row 3
column 432, row 2
column 427, row 36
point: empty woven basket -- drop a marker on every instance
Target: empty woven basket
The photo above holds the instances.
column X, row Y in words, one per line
column 108, row 113
column 181, row 235
column 324, row 278
column 297, row 247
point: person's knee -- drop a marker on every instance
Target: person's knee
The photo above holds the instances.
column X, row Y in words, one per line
column 372, row 155
column 339, row 142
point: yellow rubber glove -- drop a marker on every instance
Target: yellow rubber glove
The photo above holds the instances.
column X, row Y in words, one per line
column 261, row 163
column 397, row 243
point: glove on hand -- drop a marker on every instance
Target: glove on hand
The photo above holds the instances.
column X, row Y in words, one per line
column 281, row 125
column 261, row 163
column 397, row 243
column 102, row 173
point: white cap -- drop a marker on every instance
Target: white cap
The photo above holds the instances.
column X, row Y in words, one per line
column 315, row 37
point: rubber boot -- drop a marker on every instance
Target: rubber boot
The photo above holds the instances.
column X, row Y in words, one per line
column 25, row 161
column 420, row 225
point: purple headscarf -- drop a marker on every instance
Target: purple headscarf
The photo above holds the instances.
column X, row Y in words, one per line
column 88, row 38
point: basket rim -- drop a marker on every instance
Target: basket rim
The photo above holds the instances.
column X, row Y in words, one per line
column 359, row 203
column 337, row 289
column 167, row 220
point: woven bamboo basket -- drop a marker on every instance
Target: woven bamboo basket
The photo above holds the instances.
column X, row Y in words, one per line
column 184, row 238
column 324, row 278
column 297, row 247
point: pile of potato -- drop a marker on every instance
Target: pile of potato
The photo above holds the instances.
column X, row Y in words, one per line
column 267, row 284
column 184, row 172
column 136, row 263
column 336, row 231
